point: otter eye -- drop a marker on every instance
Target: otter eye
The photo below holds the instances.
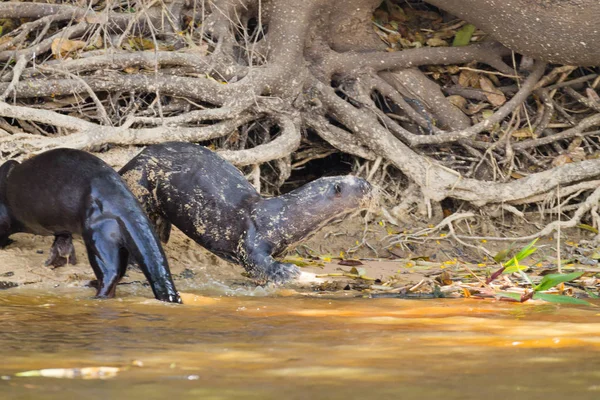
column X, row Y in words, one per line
column 338, row 189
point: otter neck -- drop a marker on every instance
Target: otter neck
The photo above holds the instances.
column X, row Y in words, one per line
column 287, row 219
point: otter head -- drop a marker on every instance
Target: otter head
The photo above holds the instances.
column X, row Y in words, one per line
column 337, row 195
column 293, row 216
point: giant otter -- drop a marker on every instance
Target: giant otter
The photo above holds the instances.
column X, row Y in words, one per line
column 209, row 199
column 63, row 192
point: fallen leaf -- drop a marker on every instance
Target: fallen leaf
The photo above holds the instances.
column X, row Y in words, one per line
column 351, row 263
column 493, row 94
column 468, row 79
column 522, row 133
column 562, row 159
column 458, row 101
column 131, row 70
column 463, row 35
column 473, row 109
column 61, row 47
column 436, row 42
column 138, row 43
column 394, row 38
column 397, row 13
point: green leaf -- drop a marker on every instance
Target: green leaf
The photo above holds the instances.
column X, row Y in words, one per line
column 513, row 266
column 463, row 35
column 560, row 299
column 527, row 251
column 501, row 255
column 588, row 228
column 521, row 255
column 515, row 296
column 552, row 280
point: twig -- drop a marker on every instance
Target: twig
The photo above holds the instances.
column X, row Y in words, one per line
column 17, row 71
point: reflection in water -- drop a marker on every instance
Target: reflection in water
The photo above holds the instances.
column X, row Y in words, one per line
column 299, row 348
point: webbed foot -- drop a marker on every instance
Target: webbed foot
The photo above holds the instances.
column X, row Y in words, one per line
column 280, row 273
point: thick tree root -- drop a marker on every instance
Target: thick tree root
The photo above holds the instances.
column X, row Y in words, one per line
column 259, row 82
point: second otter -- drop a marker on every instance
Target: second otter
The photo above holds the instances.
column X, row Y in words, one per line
column 63, row 192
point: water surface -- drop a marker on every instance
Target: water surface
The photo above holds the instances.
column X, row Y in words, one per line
column 298, row 348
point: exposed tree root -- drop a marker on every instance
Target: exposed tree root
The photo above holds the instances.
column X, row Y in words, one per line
column 260, row 80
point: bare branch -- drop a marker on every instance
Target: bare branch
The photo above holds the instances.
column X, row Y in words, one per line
column 438, row 182
column 287, row 142
column 490, row 54
column 338, row 138
column 498, row 116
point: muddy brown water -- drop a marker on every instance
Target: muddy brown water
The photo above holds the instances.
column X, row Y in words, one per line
column 298, row 347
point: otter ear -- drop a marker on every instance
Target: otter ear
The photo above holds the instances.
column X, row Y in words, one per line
column 337, row 188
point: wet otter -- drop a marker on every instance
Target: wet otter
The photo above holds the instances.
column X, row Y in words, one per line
column 63, row 192
column 209, row 200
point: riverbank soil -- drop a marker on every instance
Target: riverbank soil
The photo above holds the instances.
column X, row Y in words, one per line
column 349, row 254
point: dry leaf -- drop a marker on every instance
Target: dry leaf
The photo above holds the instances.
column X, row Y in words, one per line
column 138, row 43
column 131, row 70
column 458, row 101
column 494, row 96
column 62, row 47
column 473, row 109
column 394, row 38
column 575, row 143
column 397, row 13
column 436, row 42
column 350, row 263
column 452, row 69
column 592, row 95
column 522, row 133
column 577, row 154
column 561, row 160
column 5, row 39
column 468, row 79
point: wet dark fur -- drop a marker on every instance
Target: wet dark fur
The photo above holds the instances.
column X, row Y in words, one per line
column 210, row 201
column 63, row 192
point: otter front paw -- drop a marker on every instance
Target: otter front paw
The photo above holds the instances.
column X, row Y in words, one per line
column 281, row 273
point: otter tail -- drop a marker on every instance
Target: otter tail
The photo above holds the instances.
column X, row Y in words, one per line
column 115, row 222
column 145, row 248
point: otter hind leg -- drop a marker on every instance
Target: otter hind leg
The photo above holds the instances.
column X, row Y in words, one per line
column 62, row 251
column 103, row 241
